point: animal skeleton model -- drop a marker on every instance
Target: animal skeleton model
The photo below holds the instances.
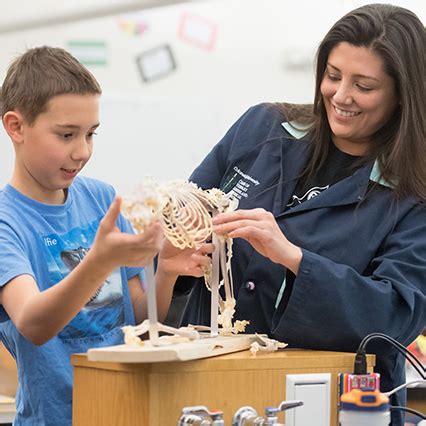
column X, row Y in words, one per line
column 185, row 212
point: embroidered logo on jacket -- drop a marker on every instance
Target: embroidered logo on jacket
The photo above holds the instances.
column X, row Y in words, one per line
column 237, row 185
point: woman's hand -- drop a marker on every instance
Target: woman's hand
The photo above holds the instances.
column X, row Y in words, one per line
column 261, row 230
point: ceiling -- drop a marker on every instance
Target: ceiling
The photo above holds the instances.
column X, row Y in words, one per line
column 40, row 13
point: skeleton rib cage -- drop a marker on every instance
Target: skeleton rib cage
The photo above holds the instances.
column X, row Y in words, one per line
column 185, row 212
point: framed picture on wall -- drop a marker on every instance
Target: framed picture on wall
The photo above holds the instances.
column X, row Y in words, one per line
column 156, row 63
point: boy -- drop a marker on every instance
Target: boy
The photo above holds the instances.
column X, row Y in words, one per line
column 63, row 243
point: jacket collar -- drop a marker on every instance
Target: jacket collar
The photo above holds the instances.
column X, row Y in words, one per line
column 299, row 131
column 350, row 190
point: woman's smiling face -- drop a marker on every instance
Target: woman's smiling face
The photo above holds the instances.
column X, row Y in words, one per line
column 358, row 95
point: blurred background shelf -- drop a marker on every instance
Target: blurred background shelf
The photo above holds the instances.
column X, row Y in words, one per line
column 7, row 409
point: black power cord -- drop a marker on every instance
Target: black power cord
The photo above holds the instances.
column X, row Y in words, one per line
column 408, row 410
column 360, row 364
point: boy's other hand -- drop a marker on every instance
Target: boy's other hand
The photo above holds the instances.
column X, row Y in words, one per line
column 113, row 248
column 173, row 261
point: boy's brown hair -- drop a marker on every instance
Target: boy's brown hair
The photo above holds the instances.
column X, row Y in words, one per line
column 40, row 74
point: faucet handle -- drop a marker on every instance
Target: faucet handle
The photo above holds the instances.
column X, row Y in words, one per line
column 271, row 413
column 196, row 409
column 200, row 414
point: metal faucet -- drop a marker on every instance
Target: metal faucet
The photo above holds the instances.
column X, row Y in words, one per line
column 246, row 416
column 200, row 415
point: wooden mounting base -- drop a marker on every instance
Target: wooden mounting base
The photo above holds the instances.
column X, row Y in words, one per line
column 196, row 349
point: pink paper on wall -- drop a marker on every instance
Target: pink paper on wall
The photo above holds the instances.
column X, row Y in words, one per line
column 198, row 31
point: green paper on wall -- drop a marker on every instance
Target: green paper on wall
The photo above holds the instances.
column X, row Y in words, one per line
column 89, row 52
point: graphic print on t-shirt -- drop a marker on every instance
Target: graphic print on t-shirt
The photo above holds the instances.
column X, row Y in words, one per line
column 311, row 193
column 104, row 310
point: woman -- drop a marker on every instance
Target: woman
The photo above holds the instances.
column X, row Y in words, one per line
column 330, row 234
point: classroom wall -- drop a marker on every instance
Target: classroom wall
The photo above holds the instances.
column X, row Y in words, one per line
column 263, row 51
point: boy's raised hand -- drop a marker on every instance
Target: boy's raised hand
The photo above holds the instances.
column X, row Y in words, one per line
column 113, row 248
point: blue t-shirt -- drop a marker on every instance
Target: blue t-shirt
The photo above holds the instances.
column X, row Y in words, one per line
column 47, row 242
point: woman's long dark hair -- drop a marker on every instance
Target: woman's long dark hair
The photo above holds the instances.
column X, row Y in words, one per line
column 398, row 37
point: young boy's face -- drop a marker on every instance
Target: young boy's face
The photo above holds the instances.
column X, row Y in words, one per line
column 56, row 147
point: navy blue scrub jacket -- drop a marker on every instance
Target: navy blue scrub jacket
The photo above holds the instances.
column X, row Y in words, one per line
column 364, row 253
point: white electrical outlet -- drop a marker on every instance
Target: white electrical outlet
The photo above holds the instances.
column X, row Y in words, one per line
column 314, row 391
